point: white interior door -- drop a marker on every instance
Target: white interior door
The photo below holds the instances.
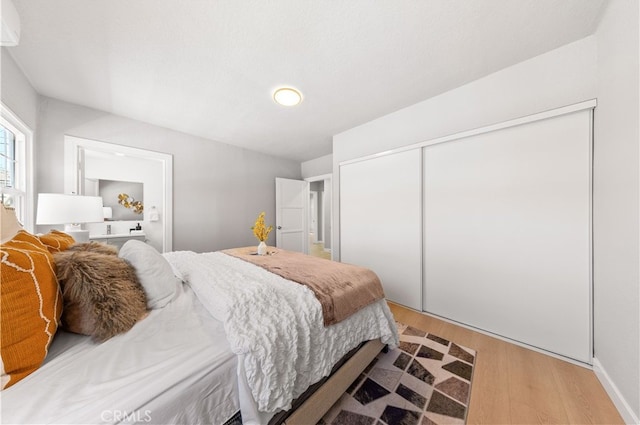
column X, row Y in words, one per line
column 292, row 203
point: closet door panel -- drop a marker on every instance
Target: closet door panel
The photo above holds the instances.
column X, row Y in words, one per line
column 381, row 222
column 507, row 233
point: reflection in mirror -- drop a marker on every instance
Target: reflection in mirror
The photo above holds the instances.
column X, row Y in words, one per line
column 130, row 181
column 126, row 199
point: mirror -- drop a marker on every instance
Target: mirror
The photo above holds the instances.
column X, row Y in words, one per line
column 135, row 183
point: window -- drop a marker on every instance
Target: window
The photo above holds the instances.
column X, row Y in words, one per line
column 15, row 167
column 7, row 158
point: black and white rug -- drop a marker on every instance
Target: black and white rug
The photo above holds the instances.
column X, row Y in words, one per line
column 425, row 381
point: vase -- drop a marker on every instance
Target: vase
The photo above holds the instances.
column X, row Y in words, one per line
column 262, row 248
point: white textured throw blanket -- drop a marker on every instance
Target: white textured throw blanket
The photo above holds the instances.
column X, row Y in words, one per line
column 276, row 324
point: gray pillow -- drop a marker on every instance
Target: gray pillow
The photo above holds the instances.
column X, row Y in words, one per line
column 154, row 272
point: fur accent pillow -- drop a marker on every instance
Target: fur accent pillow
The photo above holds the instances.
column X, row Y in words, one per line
column 101, row 292
column 100, row 248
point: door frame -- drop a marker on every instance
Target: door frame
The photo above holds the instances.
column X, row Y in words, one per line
column 325, row 177
column 313, row 213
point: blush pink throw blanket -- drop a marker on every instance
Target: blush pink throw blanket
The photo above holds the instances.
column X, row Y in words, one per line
column 342, row 289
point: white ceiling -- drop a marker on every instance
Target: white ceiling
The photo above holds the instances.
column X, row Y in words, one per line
column 209, row 67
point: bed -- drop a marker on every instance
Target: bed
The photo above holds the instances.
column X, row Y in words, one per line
column 233, row 338
column 175, row 366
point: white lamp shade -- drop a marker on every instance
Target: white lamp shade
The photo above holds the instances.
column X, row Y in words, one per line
column 56, row 208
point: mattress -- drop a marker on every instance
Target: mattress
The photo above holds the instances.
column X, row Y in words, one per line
column 175, row 366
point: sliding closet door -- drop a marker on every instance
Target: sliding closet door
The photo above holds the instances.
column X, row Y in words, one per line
column 507, row 232
column 380, row 222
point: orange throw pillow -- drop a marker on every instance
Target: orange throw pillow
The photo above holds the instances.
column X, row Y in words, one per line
column 57, row 241
column 30, row 303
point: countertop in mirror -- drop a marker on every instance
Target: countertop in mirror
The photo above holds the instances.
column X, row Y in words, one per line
column 116, row 235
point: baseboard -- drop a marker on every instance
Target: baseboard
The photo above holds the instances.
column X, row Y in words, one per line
column 618, row 400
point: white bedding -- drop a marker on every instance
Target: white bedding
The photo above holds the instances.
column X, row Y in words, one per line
column 276, row 327
column 173, row 367
column 249, row 340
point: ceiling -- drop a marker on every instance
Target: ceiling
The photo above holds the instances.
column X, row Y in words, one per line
column 209, row 67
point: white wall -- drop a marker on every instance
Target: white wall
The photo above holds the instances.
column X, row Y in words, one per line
column 317, row 167
column 218, row 189
column 616, row 202
column 17, row 92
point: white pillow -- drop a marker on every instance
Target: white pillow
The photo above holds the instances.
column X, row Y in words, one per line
column 154, row 272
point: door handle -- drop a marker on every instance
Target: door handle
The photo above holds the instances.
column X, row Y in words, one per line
column 279, row 227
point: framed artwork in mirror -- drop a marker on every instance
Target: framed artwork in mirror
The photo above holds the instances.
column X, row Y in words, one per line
column 124, row 198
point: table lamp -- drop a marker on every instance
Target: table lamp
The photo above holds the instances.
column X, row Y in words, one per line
column 70, row 210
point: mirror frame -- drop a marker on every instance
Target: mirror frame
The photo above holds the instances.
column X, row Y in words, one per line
column 74, row 148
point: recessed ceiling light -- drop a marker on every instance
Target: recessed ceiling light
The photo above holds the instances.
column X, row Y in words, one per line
column 287, row 96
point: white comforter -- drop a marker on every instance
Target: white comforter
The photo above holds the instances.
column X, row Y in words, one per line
column 275, row 325
column 173, row 367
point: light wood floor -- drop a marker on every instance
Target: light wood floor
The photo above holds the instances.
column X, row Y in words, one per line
column 514, row 385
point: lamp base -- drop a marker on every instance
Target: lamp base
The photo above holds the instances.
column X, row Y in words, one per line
column 76, row 232
column 79, row 235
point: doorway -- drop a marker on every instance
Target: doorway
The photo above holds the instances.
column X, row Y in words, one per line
column 320, row 216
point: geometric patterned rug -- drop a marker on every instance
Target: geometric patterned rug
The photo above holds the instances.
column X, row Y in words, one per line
column 425, row 381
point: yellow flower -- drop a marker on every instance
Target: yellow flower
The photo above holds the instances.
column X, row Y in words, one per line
column 260, row 231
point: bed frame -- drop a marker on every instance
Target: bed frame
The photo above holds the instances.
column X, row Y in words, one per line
column 324, row 394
